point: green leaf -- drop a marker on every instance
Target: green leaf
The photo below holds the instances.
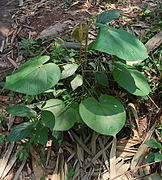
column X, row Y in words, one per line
column 150, row 158
column 34, row 77
column 70, row 174
column 21, row 110
column 21, row 131
column 106, row 116
column 153, row 144
column 106, row 17
column 65, row 120
column 1, row 138
column 76, row 82
column 153, row 157
column 48, row 119
column 52, row 105
column 42, row 134
column 158, row 157
column 101, row 78
column 64, row 117
column 131, row 79
column 69, row 70
column 75, row 107
column 120, row 43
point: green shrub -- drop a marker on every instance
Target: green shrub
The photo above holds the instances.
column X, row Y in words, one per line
column 103, row 113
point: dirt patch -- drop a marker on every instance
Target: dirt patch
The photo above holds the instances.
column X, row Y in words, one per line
column 7, row 8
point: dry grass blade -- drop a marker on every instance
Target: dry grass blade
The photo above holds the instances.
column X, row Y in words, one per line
column 13, row 62
column 3, row 162
column 98, row 155
column 58, row 173
column 93, row 142
column 106, row 175
column 48, row 156
column 123, row 168
column 10, row 164
column 80, row 154
column 2, row 46
column 132, row 107
column 11, row 121
column 113, row 159
column 80, row 142
column 104, row 153
column 20, row 169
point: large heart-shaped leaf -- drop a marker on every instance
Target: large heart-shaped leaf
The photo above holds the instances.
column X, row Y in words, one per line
column 21, row 110
column 106, row 116
column 131, row 79
column 120, row 43
column 34, row 77
column 64, row 116
column 21, row 131
column 106, row 17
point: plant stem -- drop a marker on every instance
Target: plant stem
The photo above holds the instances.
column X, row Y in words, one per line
column 82, row 69
column 97, row 71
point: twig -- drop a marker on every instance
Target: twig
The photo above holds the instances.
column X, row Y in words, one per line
column 97, row 71
column 153, row 102
column 12, row 62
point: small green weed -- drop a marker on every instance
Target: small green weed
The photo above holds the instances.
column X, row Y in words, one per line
column 154, row 155
column 152, row 67
column 29, row 47
column 1, row 138
column 2, row 120
column 22, row 153
column 70, row 174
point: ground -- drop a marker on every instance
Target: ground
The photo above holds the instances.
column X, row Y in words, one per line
column 37, row 19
